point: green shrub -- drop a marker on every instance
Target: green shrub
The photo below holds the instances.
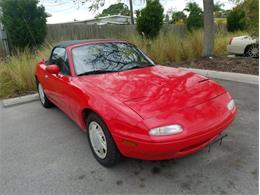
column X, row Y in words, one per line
column 178, row 16
column 236, row 20
column 251, row 8
column 115, row 9
column 24, row 22
column 150, row 20
column 195, row 18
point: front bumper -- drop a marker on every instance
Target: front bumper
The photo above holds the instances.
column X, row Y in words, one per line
column 171, row 149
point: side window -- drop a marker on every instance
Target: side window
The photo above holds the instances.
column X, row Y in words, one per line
column 59, row 57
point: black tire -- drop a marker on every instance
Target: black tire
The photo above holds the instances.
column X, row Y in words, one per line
column 113, row 155
column 46, row 103
column 252, row 51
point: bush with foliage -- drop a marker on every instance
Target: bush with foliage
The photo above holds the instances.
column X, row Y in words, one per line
column 178, row 17
column 236, row 20
column 245, row 16
column 251, row 8
column 218, row 10
column 116, row 9
column 150, row 20
column 195, row 18
column 24, row 21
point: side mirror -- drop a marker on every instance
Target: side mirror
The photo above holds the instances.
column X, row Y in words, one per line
column 53, row 69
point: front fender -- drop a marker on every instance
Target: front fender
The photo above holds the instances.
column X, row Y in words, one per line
column 114, row 113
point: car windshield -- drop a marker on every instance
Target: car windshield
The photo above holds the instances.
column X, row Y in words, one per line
column 108, row 57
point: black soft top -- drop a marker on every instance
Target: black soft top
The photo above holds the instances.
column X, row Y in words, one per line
column 65, row 44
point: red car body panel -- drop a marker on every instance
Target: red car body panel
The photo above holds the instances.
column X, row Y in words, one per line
column 134, row 101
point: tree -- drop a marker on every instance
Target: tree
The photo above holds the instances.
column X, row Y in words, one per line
column 137, row 13
column 251, row 8
column 236, row 1
column 150, row 20
column 208, row 43
column 236, row 19
column 218, row 10
column 131, row 11
column 115, row 9
column 167, row 19
column 96, row 4
column 195, row 18
column 24, row 21
column 218, row 7
column 251, row 12
column 178, row 16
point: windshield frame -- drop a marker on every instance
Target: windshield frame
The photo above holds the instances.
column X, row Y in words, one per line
column 140, row 52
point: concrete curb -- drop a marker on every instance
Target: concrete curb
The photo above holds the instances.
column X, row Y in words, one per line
column 20, row 100
column 238, row 77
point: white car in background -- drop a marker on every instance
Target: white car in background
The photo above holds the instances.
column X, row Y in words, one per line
column 244, row 45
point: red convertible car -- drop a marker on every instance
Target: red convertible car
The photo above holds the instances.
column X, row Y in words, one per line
column 128, row 105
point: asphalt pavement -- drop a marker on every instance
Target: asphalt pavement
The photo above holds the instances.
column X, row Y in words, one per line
column 44, row 152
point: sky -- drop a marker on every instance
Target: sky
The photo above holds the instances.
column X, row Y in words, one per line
column 67, row 11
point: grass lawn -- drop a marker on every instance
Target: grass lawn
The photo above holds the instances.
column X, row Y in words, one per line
column 220, row 20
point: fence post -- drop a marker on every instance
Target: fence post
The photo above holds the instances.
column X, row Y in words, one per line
column 4, row 41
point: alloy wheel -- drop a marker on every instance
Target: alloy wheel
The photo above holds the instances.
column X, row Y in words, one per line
column 253, row 51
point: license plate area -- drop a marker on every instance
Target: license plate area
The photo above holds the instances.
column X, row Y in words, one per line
column 218, row 141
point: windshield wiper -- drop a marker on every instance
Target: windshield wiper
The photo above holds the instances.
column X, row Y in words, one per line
column 135, row 67
column 138, row 66
column 96, row 72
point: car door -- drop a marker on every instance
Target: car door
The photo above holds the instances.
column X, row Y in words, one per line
column 58, row 85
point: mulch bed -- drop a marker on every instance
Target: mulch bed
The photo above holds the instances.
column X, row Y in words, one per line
column 226, row 64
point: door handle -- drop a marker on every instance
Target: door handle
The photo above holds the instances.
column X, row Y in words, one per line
column 46, row 76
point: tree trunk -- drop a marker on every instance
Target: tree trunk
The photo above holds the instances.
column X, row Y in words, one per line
column 132, row 11
column 208, row 44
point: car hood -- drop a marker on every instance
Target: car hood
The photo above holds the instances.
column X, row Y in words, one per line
column 155, row 90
